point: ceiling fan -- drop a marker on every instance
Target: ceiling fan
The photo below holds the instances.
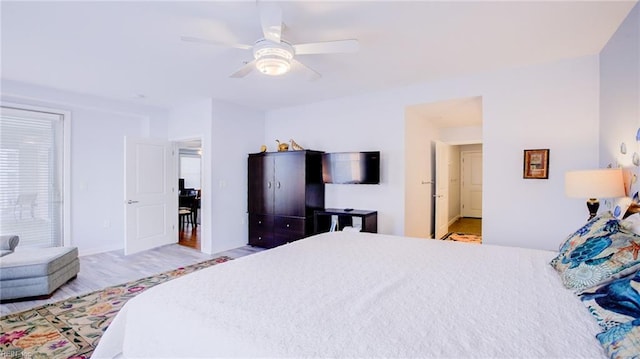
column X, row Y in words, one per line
column 275, row 56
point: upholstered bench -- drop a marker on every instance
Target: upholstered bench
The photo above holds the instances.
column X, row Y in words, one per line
column 32, row 272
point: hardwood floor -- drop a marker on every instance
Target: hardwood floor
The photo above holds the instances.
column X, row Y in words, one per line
column 101, row 270
column 190, row 237
column 467, row 225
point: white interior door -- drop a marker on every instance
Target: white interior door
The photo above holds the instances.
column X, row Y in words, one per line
column 471, row 199
column 441, row 196
column 151, row 207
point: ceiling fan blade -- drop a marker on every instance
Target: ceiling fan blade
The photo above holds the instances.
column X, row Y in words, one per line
column 271, row 20
column 312, row 74
column 244, row 70
column 327, row 47
column 211, row 42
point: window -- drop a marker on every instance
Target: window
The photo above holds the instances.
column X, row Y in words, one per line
column 32, row 173
column 190, row 167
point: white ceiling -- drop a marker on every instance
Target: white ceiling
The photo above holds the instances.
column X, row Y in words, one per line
column 459, row 112
column 132, row 50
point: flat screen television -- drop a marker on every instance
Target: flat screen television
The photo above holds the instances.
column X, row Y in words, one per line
column 351, row 167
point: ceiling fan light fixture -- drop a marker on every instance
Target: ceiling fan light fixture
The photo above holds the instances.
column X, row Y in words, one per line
column 272, row 58
column 273, row 65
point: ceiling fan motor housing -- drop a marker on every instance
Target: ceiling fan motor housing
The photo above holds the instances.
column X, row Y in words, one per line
column 273, row 58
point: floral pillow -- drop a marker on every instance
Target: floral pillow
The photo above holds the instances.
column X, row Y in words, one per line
column 598, row 252
column 614, row 303
column 622, row 341
column 604, row 221
column 616, row 307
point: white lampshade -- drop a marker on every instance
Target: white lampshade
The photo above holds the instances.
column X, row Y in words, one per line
column 600, row 183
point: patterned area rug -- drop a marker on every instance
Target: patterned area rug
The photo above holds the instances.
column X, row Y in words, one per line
column 463, row 237
column 71, row 328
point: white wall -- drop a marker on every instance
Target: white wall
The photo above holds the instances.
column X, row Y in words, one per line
column 363, row 123
column 461, row 135
column 620, row 93
column 551, row 106
column 236, row 132
column 98, row 127
column 228, row 133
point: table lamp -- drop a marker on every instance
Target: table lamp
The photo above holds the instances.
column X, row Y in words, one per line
column 594, row 184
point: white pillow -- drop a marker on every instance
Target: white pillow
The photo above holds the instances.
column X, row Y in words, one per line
column 632, row 223
column 620, row 206
column 8, row 242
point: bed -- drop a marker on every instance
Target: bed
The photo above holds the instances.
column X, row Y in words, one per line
column 348, row 294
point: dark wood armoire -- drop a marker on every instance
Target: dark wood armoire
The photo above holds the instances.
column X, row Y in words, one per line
column 285, row 188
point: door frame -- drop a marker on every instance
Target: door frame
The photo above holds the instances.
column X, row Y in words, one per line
column 203, row 214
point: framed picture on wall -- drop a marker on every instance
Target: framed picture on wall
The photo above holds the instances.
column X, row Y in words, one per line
column 536, row 164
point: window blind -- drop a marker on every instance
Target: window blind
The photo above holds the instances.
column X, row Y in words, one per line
column 190, row 163
column 31, row 169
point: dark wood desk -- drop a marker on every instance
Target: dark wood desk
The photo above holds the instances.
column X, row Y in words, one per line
column 322, row 219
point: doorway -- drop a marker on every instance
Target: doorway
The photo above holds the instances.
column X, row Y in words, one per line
column 457, row 200
column 465, row 194
column 190, row 193
column 456, row 123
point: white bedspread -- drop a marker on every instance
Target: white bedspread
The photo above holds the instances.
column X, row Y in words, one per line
column 361, row 295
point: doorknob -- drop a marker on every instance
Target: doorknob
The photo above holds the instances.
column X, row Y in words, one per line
column 131, row 202
column 438, row 195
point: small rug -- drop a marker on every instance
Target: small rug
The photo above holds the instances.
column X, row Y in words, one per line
column 71, row 328
column 463, row 237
